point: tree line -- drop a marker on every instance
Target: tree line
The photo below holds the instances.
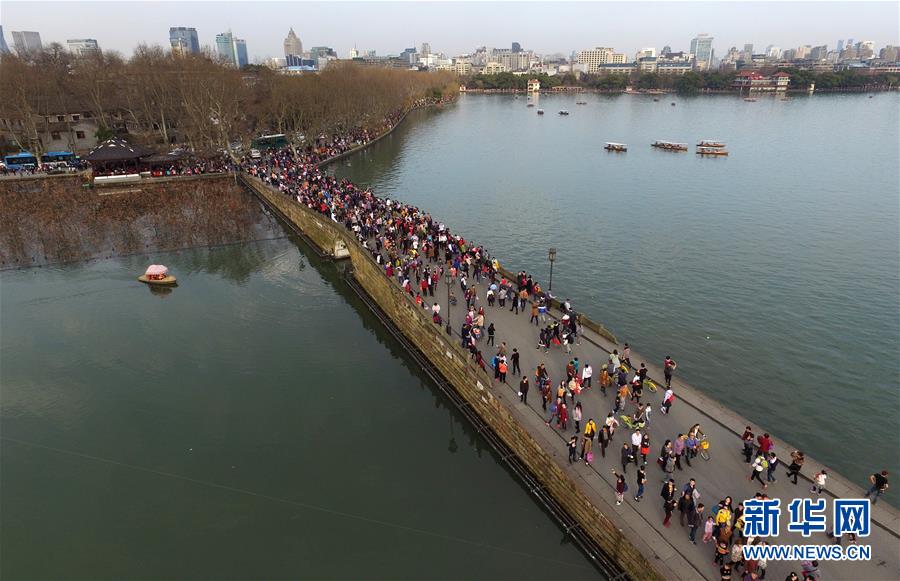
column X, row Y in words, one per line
column 160, row 98
column 686, row 84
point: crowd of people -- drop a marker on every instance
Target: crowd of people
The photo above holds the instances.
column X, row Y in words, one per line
column 418, row 251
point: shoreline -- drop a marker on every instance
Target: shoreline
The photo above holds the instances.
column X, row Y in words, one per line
column 736, row 93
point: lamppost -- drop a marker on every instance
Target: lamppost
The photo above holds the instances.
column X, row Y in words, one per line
column 448, row 281
column 551, row 255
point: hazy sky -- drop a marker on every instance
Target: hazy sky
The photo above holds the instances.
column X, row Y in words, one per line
column 458, row 27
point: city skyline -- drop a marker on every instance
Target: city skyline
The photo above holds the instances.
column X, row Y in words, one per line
column 348, row 25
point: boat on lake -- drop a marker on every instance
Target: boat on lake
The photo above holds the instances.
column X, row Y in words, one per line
column 540, row 111
column 530, row 105
column 669, row 145
column 612, row 146
column 711, row 151
column 581, row 102
column 158, row 275
column 750, row 99
column 563, row 112
column 710, row 143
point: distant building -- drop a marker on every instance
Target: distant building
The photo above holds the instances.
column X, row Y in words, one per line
column 888, row 53
column 645, row 53
column 701, row 48
column 647, row 64
column 184, row 40
column 293, row 46
column 754, row 81
column 493, row 69
column 516, row 47
column 462, row 68
column 4, row 49
column 231, row 50
column 83, row 46
column 595, row 57
column 240, row 48
column 819, row 53
column 673, row 67
column 409, row 55
column 426, row 49
column 534, row 86
column 616, row 68
column 26, row 41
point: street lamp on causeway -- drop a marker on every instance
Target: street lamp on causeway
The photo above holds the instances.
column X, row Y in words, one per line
column 448, row 281
column 551, row 255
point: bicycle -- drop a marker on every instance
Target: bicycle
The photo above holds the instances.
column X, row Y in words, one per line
column 704, row 448
column 633, row 425
column 651, row 385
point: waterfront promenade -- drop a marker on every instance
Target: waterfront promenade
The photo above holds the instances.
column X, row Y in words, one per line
column 726, row 474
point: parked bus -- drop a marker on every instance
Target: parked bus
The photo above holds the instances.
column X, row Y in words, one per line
column 269, row 141
column 58, row 156
column 21, row 160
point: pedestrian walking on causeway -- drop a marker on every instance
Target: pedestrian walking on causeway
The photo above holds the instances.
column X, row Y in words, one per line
column 626, row 457
column 621, row 487
column 523, row 390
column 514, row 360
column 641, row 480
column 819, row 482
column 490, row 332
column 797, row 459
column 668, row 494
column 685, row 507
column 694, row 519
column 573, row 448
column 576, row 417
column 757, row 468
column 669, row 367
column 747, row 437
column 879, row 485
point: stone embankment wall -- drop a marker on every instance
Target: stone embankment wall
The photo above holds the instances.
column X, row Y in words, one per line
column 56, row 219
column 473, row 384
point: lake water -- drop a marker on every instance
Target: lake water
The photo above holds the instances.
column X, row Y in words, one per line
column 255, row 422
column 772, row 276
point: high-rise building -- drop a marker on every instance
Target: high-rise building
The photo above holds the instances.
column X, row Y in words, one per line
column 516, row 47
column 240, row 51
column 184, row 40
column 701, row 48
column 840, row 45
column 3, row 48
column 26, row 41
column 225, row 47
column 292, row 45
column 819, row 53
column 594, row 57
column 426, row 49
column 645, row 53
column 83, row 46
column 232, row 50
column 666, row 50
column 802, row 52
column 773, row 51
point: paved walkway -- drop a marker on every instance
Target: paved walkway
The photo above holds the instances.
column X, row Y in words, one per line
column 724, row 474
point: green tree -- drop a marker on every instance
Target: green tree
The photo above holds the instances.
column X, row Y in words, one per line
column 648, row 81
column 689, row 84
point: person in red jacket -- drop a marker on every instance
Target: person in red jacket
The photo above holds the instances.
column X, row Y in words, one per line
column 765, row 443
